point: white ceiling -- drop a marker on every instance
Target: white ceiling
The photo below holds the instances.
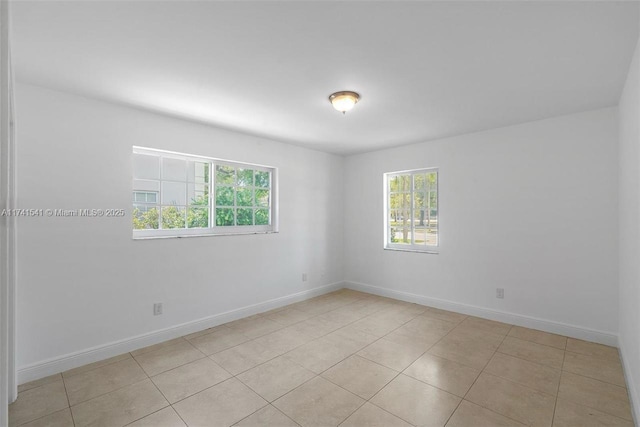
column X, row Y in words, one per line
column 424, row 69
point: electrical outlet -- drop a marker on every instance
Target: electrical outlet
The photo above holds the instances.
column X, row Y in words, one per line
column 500, row 293
column 157, row 309
column 304, row 277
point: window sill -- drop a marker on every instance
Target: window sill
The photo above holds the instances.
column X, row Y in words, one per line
column 182, row 236
column 430, row 251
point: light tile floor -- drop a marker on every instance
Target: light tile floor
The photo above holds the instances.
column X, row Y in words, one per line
column 345, row 358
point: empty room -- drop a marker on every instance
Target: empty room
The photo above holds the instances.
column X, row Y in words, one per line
column 319, row 213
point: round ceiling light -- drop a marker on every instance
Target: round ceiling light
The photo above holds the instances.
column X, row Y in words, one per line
column 344, row 101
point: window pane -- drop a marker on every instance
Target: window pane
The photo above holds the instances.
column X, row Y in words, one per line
column 174, row 193
column 225, row 175
column 198, row 172
column 392, row 238
column 146, row 185
column 224, row 196
column 198, row 194
column 174, row 169
column 419, row 217
column 399, row 200
column 224, row 217
column 262, row 197
column 431, row 221
column 419, row 182
column 405, row 235
column 145, row 218
column 419, row 201
column 393, row 217
column 394, row 185
column 403, row 217
column 197, row 217
column 394, row 200
column 420, row 235
column 432, row 178
column 400, row 235
column 146, row 167
column 262, row 216
column 399, row 183
column 145, row 196
column 405, row 183
column 245, row 216
column 245, row 177
column 244, row 197
column 173, row 217
column 432, row 237
column 262, row 179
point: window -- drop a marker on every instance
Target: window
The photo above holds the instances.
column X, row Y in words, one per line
column 411, row 210
column 183, row 195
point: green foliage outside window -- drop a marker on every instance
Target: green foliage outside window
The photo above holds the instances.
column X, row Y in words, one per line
column 147, row 220
column 240, row 196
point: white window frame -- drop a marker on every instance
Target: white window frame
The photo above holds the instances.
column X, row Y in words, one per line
column 212, row 230
column 388, row 245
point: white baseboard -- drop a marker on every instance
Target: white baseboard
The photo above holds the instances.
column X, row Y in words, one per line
column 73, row 360
column 607, row 338
column 634, row 398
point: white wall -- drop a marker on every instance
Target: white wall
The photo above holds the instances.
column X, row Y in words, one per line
column 84, row 282
column 629, row 252
column 530, row 208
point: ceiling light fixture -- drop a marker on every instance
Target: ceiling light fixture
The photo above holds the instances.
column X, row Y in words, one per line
column 344, row 101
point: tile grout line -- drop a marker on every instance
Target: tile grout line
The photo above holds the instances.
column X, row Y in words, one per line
column 530, row 361
column 599, row 410
column 537, row 343
column 561, row 369
column 127, row 385
column 260, row 409
column 64, row 383
column 590, row 377
column 555, row 403
column 519, row 383
column 476, row 380
column 93, row 369
column 178, row 414
column 154, row 384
